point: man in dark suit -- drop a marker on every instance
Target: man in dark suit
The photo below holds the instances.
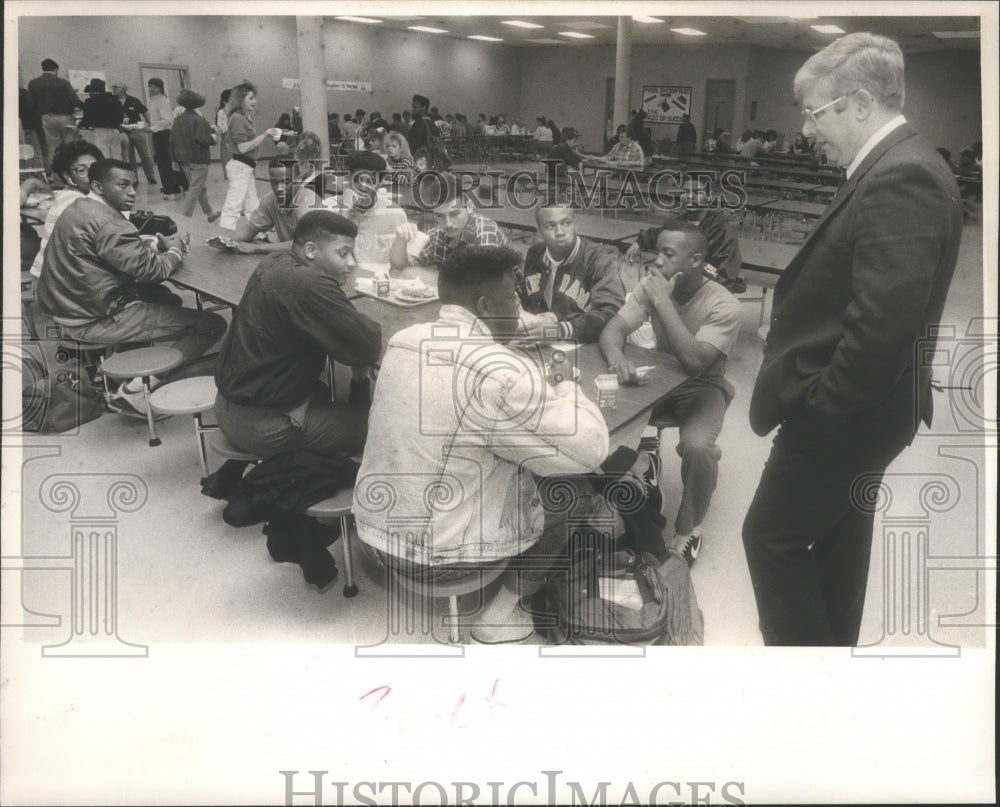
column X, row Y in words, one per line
column 839, row 377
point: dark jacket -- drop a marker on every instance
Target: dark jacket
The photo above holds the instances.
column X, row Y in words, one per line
column 587, row 292
column 190, row 138
column 291, row 317
column 133, row 109
column 102, row 111
column 52, row 95
column 853, row 308
column 93, row 260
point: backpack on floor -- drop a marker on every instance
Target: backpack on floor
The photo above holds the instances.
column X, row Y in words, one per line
column 57, row 394
column 614, row 598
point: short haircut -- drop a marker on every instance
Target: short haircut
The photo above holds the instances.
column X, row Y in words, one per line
column 365, row 161
column 623, row 128
column 48, row 65
column 101, row 170
column 855, row 62
column 470, row 270
column 321, row 225
column 155, row 82
column 189, row 99
column 560, row 203
column 445, row 189
column 284, row 161
column 68, row 153
column 692, row 233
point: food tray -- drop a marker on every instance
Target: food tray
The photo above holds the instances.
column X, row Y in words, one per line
column 364, row 286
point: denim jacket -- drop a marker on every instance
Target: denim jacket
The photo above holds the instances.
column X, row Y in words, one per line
column 458, row 428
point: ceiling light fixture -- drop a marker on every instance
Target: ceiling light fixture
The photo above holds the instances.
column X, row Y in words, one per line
column 576, row 35
column 358, row 19
column 828, row 29
column 640, row 18
column 482, row 38
column 427, row 30
column 520, row 24
column 688, row 32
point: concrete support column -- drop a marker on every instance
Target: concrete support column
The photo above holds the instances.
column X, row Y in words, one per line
column 623, row 70
column 312, row 75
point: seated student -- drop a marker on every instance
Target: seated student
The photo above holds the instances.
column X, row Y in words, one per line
column 482, row 462
column 308, row 171
column 695, row 323
column 566, row 151
column 458, row 226
column 723, row 260
column 753, row 146
column 572, row 284
column 292, row 316
column 371, row 208
column 70, row 163
column 92, row 273
column 280, row 210
column 626, row 151
column 400, row 161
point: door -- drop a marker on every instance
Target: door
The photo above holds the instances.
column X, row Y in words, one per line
column 175, row 78
column 720, row 97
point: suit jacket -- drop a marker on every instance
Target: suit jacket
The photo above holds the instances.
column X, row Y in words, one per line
column 871, row 278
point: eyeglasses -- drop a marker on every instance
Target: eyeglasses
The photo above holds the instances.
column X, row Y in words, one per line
column 813, row 114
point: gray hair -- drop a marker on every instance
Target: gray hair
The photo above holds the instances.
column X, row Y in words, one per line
column 857, row 62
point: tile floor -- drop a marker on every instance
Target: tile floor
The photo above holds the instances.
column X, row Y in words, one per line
column 184, row 576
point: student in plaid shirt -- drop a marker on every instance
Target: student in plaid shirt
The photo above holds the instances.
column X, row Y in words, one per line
column 626, row 151
column 458, row 225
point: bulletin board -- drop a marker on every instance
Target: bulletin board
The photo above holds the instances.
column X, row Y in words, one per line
column 665, row 104
column 81, row 78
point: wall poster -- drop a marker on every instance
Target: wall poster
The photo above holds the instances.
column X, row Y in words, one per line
column 665, row 104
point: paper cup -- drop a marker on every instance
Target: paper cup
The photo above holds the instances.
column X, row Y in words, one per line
column 416, row 245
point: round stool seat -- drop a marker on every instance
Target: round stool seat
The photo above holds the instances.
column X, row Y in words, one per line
column 224, row 448
column 142, row 362
column 188, row 396
column 473, row 581
column 334, row 507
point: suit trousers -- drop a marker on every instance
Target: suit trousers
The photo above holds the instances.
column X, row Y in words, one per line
column 808, row 532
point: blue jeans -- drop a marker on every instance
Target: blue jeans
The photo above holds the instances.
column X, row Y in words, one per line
column 191, row 331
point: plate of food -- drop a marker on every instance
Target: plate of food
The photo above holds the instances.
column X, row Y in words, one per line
column 414, row 291
column 219, row 242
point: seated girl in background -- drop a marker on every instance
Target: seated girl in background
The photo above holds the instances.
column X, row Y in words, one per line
column 399, row 161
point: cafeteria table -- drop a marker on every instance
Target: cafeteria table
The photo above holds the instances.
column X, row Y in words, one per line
column 811, row 210
column 634, row 402
column 216, row 275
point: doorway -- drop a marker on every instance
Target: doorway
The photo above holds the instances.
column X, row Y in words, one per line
column 720, row 98
column 174, row 77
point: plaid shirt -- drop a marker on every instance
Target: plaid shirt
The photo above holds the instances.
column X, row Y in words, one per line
column 632, row 153
column 478, row 231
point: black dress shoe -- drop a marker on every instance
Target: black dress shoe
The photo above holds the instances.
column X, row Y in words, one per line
column 223, row 483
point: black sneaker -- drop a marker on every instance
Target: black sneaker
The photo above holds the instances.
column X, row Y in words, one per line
column 690, row 549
